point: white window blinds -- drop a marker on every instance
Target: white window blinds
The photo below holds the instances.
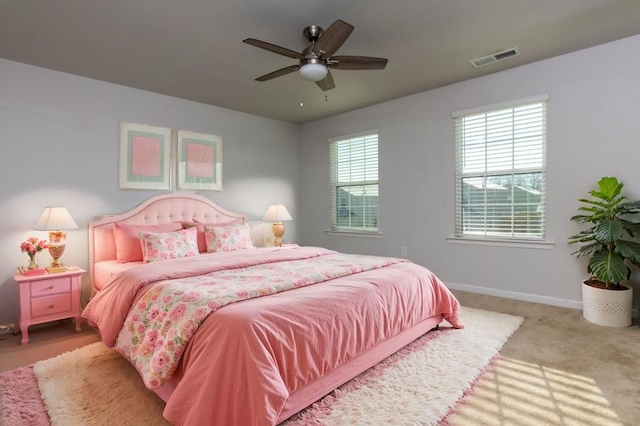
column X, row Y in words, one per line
column 500, row 171
column 354, row 182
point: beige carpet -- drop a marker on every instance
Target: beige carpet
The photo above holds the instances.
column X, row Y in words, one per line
column 558, row 369
column 419, row 386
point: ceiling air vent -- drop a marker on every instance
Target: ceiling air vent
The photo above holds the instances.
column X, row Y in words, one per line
column 495, row 57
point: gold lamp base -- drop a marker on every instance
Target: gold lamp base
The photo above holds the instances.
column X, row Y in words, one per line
column 278, row 232
column 56, row 252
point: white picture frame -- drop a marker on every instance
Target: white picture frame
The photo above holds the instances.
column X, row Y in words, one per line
column 199, row 161
column 144, row 156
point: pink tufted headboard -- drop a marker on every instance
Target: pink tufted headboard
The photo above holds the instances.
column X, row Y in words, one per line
column 159, row 209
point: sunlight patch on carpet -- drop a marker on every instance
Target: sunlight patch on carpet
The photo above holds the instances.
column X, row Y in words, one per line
column 553, row 397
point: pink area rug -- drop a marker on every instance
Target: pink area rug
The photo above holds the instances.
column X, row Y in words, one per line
column 20, row 402
column 419, row 384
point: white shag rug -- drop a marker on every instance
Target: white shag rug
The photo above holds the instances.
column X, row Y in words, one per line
column 419, row 385
column 96, row 386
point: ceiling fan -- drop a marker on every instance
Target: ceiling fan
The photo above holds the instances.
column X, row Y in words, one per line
column 317, row 58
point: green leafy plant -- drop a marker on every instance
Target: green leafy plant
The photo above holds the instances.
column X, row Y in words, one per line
column 607, row 212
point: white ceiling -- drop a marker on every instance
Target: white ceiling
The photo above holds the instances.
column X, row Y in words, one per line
column 193, row 49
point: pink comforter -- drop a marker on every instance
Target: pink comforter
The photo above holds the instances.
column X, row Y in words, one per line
column 248, row 357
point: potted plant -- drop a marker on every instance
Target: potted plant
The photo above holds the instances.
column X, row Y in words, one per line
column 605, row 301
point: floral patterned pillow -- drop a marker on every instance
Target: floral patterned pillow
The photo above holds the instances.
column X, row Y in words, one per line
column 168, row 245
column 228, row 238
column 202, row 243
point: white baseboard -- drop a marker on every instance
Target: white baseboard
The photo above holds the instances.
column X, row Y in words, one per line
column 553, row 301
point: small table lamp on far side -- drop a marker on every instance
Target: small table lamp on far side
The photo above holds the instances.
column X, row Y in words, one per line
column 277, row 213
column 54, row 220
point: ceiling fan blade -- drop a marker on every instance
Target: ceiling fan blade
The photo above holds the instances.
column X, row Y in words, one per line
column 279, row 73
column 357, row 63
column 326, row 83
column 331, row 40
column 273, row 48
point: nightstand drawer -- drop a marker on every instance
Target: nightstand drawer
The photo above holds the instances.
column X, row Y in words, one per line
column 51, row 304
column 49, row 297
column 50, row 286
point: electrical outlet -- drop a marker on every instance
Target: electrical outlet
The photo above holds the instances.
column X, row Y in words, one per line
column 403, row 251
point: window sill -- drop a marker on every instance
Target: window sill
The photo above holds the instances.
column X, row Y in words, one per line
column 529, row 244
column 355, row 234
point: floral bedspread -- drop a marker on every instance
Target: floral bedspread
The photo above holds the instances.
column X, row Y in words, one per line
column 159, row 326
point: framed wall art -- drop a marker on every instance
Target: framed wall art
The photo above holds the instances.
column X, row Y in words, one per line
column 199, row 161
column 144, row 157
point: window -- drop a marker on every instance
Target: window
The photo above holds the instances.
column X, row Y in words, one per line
column 354, row 182
column 500, row 170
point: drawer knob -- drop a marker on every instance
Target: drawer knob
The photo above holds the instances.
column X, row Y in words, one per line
column 51, row 306
column 50, row 287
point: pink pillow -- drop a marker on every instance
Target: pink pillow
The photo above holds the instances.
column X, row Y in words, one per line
column 168, row 245
column 228, row 238
column 128, row 242
column 202, row 244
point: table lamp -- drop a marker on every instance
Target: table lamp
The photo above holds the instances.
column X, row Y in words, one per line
column 55, row 220
column 277, row 213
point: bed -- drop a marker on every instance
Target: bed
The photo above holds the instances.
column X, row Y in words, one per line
column 305, row 320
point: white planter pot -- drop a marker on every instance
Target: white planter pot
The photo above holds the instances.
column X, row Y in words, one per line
column 610, row 308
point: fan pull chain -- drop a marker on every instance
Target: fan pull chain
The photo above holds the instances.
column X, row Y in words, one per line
column 301, row 93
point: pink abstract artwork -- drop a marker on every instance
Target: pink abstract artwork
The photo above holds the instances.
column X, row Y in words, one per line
column 200, row 160
column 145, row 156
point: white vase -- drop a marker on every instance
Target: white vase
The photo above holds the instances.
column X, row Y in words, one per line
column 609, row 308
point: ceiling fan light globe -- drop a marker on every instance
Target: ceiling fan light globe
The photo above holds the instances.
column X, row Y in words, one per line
column 313, row 72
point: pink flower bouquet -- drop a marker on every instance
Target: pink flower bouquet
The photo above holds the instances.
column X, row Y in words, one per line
column 33, row 246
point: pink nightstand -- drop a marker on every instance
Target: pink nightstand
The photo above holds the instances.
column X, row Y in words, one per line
column 49, row 297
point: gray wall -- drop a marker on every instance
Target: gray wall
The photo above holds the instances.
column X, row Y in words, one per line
column 592, row 132
column 59, row 138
